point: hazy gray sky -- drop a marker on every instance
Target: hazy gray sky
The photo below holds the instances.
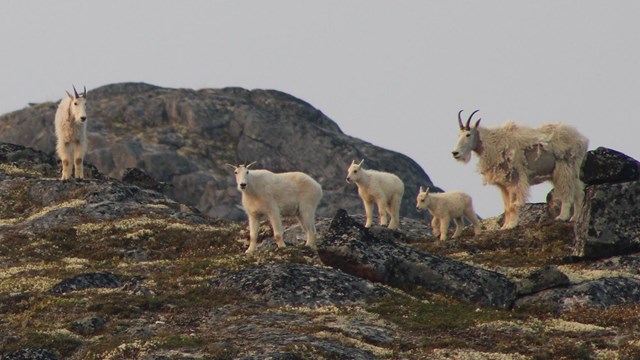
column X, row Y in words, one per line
column 394, row 73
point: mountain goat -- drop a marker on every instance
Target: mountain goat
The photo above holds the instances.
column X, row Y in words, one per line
column 71, row 133
column 446, row 206
column 385, row 189
column 514, row 157
column 272, row 195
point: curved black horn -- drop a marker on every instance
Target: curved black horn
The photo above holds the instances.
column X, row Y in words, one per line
column 75, row 91
column 84, row 94
column 460, row 120
column 469, row 120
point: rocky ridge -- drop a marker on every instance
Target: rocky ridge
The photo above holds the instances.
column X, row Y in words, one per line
column 184, row 138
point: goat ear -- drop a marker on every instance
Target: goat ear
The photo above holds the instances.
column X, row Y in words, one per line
column 460, row 120
column 427, row 190
column 361, row 162
column 250, row 164
column 69, row 95
column 231, row 166
column 353, row 162
column 421, row 190
column 477, row 123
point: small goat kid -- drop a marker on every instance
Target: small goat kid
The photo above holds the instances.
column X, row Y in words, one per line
column 514, row 157
column 384, row 189
column 71, row 133
column 274, row 195
column 446, row 206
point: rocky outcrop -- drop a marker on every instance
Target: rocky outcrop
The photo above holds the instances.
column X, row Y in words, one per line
column 610, row 220
column 299, row 285
column 88, row 281
column 184, row 138
column 348, row 246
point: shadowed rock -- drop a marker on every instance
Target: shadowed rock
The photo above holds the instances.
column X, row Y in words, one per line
column 546, row 278
column 30, row 354
column 606, row 166
column 88, row 281
column 348, row 246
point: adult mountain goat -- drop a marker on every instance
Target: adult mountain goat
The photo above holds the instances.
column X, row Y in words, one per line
column 382, row 188
column 71, row 133
column 274, row 195
column 514, row 157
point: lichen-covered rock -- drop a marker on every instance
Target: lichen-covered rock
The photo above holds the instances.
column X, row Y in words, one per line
column 600, row 293
column 88, row 281
column 140, row 178
column 606, row 166
column 30, row 354
column 88, row 326
column 299, row 285
column 542, row 279
column 348, row 246
column 610, row 221
column 627, row 263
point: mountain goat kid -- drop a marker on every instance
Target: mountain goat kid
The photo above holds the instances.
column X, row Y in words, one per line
column 268, row 194
column 71, row 133
column 446, row 206
column 385, row 189
column 514, row 157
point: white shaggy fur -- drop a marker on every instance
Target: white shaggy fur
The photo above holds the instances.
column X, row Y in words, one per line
column 514, row 157
column 274, row 195
column 384, row 189
column 71, row 133
column 446, row 206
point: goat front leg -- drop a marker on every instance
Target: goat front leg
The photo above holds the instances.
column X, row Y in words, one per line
column 368, row 209
column 254, row 223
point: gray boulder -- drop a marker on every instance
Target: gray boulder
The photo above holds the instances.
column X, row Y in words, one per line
column 610, row 221
column 184, row 138
column 88, row 281
column 542, row 279
column 30, row 354
column 348, row 246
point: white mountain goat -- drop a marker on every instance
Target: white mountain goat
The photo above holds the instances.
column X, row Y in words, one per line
column 274, row 195
column 384, row 189
column 514, row 157
column 71, row 133
column 446, row 206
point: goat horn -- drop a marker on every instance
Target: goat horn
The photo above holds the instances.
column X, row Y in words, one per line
column 469, row 121
column 250, row 164
column 84, row 94
column 75, row 91
column 460, row 120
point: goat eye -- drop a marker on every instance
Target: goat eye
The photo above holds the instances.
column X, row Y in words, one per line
column 75, row 103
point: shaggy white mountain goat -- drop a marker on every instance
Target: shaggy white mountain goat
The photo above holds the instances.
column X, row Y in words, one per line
column 446, row 206
column 71, row 133
column 274, row 195
column 514, row 157
column 384, row 189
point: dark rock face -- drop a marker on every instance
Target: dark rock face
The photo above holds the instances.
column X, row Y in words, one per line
column 140, row 178
column 87, row 281
column 629, row 263
column 30, row 354
column 542, row 279
column 610, row 221
column 298, row 285
column 599, row 293
column 606, row 166
column 347, row 245
column 184, row 138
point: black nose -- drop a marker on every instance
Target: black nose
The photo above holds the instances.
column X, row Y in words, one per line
column 243, row 186
column 83, row 118
column 455, row 153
